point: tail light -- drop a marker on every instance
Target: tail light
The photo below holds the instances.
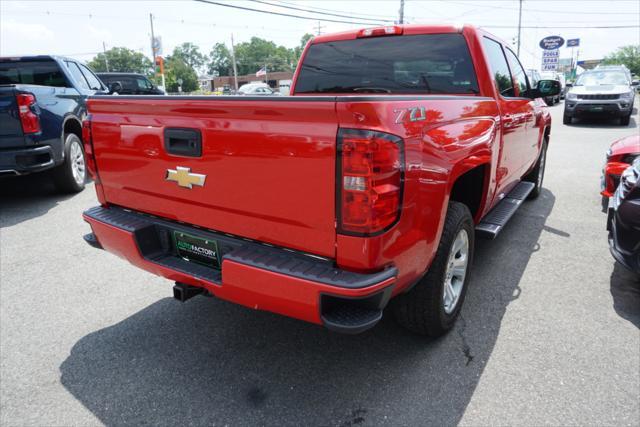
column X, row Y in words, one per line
column 27, row 112
column 88, row 147
column 369, row 183
column 629, row 179
column 391, row 30
column 90, row 158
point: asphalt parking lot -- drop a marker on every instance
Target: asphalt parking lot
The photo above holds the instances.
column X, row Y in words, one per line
column 549, row 334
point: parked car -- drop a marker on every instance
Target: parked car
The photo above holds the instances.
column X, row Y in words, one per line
column 130, row 84
column 42, row 105
column 550, row 75
column 619, row 156
column 256, row 89
column 369, row 183
column 607, row 93
column 623, row 219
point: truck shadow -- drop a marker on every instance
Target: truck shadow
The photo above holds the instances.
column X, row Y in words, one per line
column 25, row 197
column 208, row 361
column 625, row 290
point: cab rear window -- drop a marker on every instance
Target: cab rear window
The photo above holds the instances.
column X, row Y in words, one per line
column 419, row 64
column 44, row 73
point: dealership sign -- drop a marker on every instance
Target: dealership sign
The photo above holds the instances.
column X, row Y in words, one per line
column 573, row 42
column 550, row 59
column 551, row 42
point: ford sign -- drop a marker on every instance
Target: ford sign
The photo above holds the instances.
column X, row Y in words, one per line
column 551, row 42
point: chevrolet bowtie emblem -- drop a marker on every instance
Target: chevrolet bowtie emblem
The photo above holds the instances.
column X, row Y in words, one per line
column 184, row 177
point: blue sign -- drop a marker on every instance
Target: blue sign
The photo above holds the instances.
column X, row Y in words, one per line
column 551, row 42
column 573, row 42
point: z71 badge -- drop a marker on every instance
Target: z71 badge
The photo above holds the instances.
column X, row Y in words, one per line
column 414, row 114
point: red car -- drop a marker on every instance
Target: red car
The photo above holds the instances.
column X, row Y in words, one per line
column 619, row 157
column 399, row 145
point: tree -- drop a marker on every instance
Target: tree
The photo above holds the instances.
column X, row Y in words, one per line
column 255, row 54
column 190, row 54
column 122, row 60
column 220, row 60
column 176, row 68
column 627, row 55
column 303, row 43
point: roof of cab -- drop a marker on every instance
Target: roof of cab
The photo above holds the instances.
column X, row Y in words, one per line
column 408, row 29
column 36, row 58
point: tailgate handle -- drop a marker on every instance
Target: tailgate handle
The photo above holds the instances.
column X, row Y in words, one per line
column 183, row 142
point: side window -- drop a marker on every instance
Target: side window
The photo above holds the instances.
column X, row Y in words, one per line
column 499, row 67
column 519, row 74
column 143, row 84
column 77, row 75
column 94, row 83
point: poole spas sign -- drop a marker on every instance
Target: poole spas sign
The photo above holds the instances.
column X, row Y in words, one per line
column 551, row 42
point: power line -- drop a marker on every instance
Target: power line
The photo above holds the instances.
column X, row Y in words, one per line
column 319, row 13
column 563, row 26
column 333, row 10
column 281, row 13
column 573, row 12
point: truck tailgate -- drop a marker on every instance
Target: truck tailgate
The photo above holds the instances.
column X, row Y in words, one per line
column 269, row 164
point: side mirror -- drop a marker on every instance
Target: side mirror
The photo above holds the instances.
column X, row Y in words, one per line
column 568, row 84
column 547, row 88
column 635, row 83
column 115, row 87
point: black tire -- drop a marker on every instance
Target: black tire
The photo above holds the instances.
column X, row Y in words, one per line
column 624, row 121
column 63, row 176
column 422, row 309
column 537, row 174
column 566, row 119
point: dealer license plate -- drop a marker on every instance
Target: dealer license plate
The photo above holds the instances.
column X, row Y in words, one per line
column 197, row 249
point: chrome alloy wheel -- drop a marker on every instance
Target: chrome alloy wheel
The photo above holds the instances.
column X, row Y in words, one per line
column 456, row 272
column 76, row 157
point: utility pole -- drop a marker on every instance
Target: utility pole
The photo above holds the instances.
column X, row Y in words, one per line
column 153, row 52
column 401, row 20
column 319, row 30
column 153, row 37
column 106, row 61
column 233, row 60
column 519, row 25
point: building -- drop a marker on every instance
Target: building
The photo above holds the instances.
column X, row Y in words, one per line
column 218, row 83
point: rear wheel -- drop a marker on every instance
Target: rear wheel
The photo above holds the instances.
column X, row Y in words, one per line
column 433, row 305
column 537, row 174
column 71, row 175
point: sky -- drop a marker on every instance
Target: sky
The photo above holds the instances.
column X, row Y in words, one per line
column 79, row 28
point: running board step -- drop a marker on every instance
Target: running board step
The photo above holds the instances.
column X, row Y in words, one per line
column 493, row 223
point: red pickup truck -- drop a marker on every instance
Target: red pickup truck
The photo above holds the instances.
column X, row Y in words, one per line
column 364, row 188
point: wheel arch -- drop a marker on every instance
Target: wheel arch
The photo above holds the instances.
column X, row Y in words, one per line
column 71, row 124
column 470, row 185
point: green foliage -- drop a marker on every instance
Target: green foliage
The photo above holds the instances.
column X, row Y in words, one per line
column 303, row 42
column 176, row 68
column 190, row 54
column 253, row 55
column 122, row 60
column 220, row 61
column 627, row 55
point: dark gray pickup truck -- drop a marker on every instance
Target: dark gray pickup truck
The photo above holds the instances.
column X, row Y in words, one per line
column 42, row 105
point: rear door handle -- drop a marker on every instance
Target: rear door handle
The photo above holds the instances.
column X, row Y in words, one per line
column 183, row 142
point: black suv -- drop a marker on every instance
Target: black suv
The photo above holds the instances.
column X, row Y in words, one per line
column 130, row 84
